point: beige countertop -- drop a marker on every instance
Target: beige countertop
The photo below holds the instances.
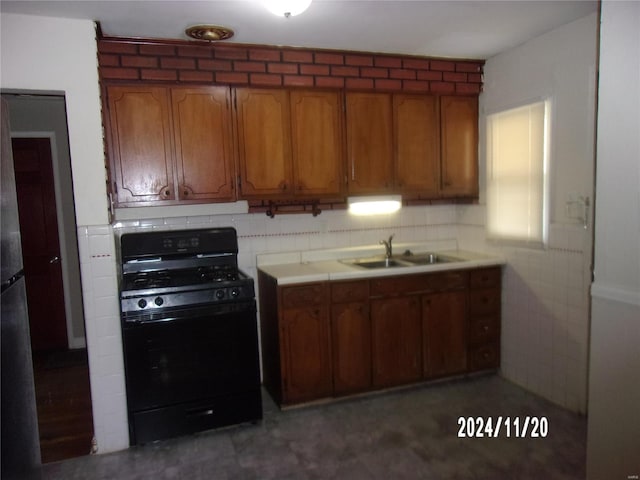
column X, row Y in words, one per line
column 332, row 264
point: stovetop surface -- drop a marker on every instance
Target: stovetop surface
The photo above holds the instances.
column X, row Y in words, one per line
column 200, row 277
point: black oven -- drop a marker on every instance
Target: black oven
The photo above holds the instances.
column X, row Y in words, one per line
column 189, row 336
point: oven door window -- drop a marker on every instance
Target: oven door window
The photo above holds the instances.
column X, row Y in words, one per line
column 197, row 353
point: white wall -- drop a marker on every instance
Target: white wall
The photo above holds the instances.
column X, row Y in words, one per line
column 62, row 58
column 613, row 444
column 545, row 292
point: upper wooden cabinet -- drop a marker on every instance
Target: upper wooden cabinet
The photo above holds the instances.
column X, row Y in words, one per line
column 170, row 144
column 178, row 144
column 290, row 143
column 420, row 146
column 369, row 142
column 317, row 142
column 264, row 142
column 459, row 145
column 140, row 144
column 417, row 144
column 203, row 142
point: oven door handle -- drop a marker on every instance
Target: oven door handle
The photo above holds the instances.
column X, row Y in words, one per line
column 200, row 412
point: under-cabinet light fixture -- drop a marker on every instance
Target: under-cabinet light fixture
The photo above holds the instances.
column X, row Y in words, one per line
column 374, row 205
column 287, row 8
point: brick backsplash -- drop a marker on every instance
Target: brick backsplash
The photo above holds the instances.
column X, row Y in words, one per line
column 174, row 61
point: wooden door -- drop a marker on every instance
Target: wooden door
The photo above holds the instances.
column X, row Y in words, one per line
column 316, row 136
column 140, row 144
column 444, row 333
column 305, row 354
column 417, row 144
column 351, row 347
column 396, row 339
column 459, row 144
column 40, row 243
column 203, row 143
column 264, row 142
column 369, row 142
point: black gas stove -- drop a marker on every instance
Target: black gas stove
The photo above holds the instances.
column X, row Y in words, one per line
column 189, row 333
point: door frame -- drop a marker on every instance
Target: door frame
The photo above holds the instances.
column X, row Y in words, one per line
column 67, row 260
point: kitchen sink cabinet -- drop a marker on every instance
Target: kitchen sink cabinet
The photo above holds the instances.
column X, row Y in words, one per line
column 350, row 337
column 417, row 145
column 169, row 144
column 290, row 143
column 396, row 335
column 369, row 128
column 459, row 146
column 330, row 339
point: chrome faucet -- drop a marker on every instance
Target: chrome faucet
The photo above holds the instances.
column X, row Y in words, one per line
column 387, row 247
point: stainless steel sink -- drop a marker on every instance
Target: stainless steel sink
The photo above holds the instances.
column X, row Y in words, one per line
column 428, row 259
column 376, row 263
column 401, row 260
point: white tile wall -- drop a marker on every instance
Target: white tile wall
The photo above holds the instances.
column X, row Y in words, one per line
column 545, row 309
column 104, row 341
column 545, row 301
column 256, row 234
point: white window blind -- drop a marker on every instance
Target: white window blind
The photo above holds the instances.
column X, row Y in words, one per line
column 517, row 158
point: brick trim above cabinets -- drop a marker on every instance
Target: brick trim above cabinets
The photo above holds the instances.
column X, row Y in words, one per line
column 123, row 59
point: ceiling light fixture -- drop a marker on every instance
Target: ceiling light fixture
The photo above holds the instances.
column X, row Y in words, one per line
column 287, row 8
column 210, row 33
column 374, row 205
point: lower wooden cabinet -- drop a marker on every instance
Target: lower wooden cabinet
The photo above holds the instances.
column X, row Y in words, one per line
column 444, row 330
column 484, row 319
column 330, row 339
column 396, row 337
column 305, row 343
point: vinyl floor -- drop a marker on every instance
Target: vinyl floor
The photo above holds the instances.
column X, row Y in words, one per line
column 408, row 434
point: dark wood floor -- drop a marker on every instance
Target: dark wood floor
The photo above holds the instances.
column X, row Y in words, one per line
column 63, row 400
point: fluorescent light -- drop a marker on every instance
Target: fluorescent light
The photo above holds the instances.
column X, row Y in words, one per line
column 287, row 8
column 376, row 205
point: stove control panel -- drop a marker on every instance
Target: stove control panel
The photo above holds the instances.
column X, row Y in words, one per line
column 138, row 301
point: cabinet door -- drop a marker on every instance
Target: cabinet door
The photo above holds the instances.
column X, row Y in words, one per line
column 264, row 142
column 397, row 345
column 369, row 142
column 459, row 144
column 305, row 354
column 140, row 144
column 444, row 333
column 417, row 144
column 351, row 347
column 316, row 133
column 203, row 140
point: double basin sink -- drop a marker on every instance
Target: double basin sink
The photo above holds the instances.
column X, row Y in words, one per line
column 406, row 260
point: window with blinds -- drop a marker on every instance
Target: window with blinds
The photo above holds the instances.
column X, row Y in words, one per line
column 517, row 174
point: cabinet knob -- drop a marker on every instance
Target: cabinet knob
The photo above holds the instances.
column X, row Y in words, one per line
column 167, row 193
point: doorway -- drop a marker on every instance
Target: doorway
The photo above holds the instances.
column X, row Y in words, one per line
column 52, row 272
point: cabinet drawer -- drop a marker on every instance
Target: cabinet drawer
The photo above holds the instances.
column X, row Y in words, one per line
column 304, row 295
column 484, row 357
column 485, row 301
column 401, row 285
column 483, row 329
column 455, row 280
column 485, row 277
column 342, row 292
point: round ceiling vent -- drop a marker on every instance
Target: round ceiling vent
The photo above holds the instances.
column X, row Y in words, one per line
column 210, row 33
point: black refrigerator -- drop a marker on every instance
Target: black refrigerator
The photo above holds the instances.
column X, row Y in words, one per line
column 20, row 447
